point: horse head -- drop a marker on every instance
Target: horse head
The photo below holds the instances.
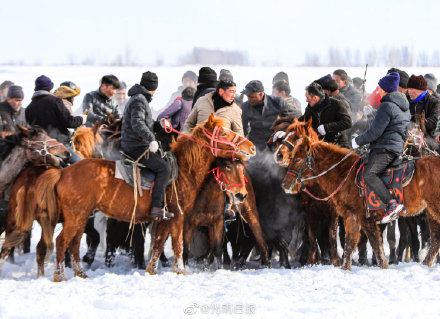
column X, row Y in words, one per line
column 230, row 175
column 294, row 133
column 300, row 164
column 88, row 142
column 279, row 128
column 222, row 141
column 41, row 148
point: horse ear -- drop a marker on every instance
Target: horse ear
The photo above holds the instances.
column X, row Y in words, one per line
column 23, row 130
column 309, row 123
column 211, row 120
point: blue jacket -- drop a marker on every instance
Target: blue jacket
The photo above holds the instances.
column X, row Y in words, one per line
column 389, row 129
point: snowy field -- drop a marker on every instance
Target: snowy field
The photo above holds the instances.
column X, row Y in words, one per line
column 404, row 291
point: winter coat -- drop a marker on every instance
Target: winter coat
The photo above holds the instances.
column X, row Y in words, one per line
column 202, row 90
column 205, row 106
column 430, row 105
column 294, row 102
column 389, row 129
column 99, row 106
column 177, row 113
column 354, row 96
column 10, row 118
column 334, row 116
column 49, row 112
column 257, row 121
column 137, row 122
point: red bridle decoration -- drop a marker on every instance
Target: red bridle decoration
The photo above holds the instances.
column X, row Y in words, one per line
column 225, row 186
column 214, row 138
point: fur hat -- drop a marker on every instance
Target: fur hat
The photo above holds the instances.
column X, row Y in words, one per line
column 65, row 92
column 417, row 82
column 328, row 83
column 149, row 81
column 15, row 92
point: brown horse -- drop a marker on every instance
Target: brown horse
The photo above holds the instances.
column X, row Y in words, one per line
column 87, row 141
column 210, row 204
column 315, row 210
column 339, row 184
column 90, row 184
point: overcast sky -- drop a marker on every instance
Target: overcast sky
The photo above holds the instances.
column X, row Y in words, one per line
column 50, row 32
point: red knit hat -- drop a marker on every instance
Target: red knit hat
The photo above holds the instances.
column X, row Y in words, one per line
column 417, row 82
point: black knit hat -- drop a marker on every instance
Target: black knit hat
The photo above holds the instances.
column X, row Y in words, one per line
column 149, row 81
column 43, row 83
column 207, row 75
column 327, row 83
column 6, row 84
column 417, row 82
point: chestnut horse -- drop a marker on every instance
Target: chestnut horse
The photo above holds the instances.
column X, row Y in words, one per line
column 90, row 184
column 338, row 183
column 209, row 208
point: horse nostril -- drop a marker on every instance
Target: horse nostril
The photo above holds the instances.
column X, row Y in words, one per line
column 253, row 149
column 240, row 196
column 279, row 156
column 67, row 154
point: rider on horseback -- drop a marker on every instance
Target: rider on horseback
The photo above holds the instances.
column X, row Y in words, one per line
column 386, row 136
column 137, row 137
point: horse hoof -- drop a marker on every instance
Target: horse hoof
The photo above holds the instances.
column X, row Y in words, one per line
column 336, row 262
column 58, row 277
column 150, row 270
column 180, row 272
column 81, row 274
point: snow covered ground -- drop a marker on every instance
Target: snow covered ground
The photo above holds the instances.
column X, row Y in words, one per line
column 404, row 291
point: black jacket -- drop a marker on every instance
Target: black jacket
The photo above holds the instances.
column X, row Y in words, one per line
column 257, row 123
column 9, row 118
column 50, row 113
column 99, row 107
column 354, row 96
column 389, row 129
column 137, row 122
column 430, row 105
column 334, row 116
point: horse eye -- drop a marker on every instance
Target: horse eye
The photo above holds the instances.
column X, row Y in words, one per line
column 228, row 167
column 224, row 135
column 297, row 160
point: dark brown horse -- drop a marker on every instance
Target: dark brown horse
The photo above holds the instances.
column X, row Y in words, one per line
column 90, row 184
column 209, row 208
column 339, row 184
column 320, row 216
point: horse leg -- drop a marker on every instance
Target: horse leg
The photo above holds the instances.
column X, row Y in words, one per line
column 362, row 248
column 434, row 228
column 312, row 245
column 391, row 238
column 187, row 236
column 374, row 236
column 45, row 245
column 139, row 243
column 160, row 236
column 333, row 230
column 177, row 244
column 414, row 243
column 92, row 239
column 255, row 227
column 27, row 243
column 62, row 242
column 403, row 239
column 352, row 235
column 216, row 242
column 78, row 270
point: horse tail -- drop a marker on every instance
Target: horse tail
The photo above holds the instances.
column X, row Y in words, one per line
column 46, row 197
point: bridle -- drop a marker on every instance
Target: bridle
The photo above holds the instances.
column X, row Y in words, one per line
column 214, row 139
column 309, row 164
column 225, row 185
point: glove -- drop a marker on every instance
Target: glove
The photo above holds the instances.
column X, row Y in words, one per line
column 321, row 129
column 154, row 146
column 84, row 118
column 279, row 135
column 354, row 144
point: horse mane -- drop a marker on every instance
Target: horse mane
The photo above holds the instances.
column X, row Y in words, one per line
column 280, row 120
column 191, row 150
column 301, row 129
column 84, row 141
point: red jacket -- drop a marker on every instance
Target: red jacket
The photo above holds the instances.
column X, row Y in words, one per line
column 374, row 98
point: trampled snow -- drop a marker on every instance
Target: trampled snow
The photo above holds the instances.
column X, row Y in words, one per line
column 403, row 291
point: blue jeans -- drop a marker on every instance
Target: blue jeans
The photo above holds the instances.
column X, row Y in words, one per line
column 74, row 157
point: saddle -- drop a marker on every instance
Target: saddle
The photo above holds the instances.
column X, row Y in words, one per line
column 124, row 171
column 398, row 175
